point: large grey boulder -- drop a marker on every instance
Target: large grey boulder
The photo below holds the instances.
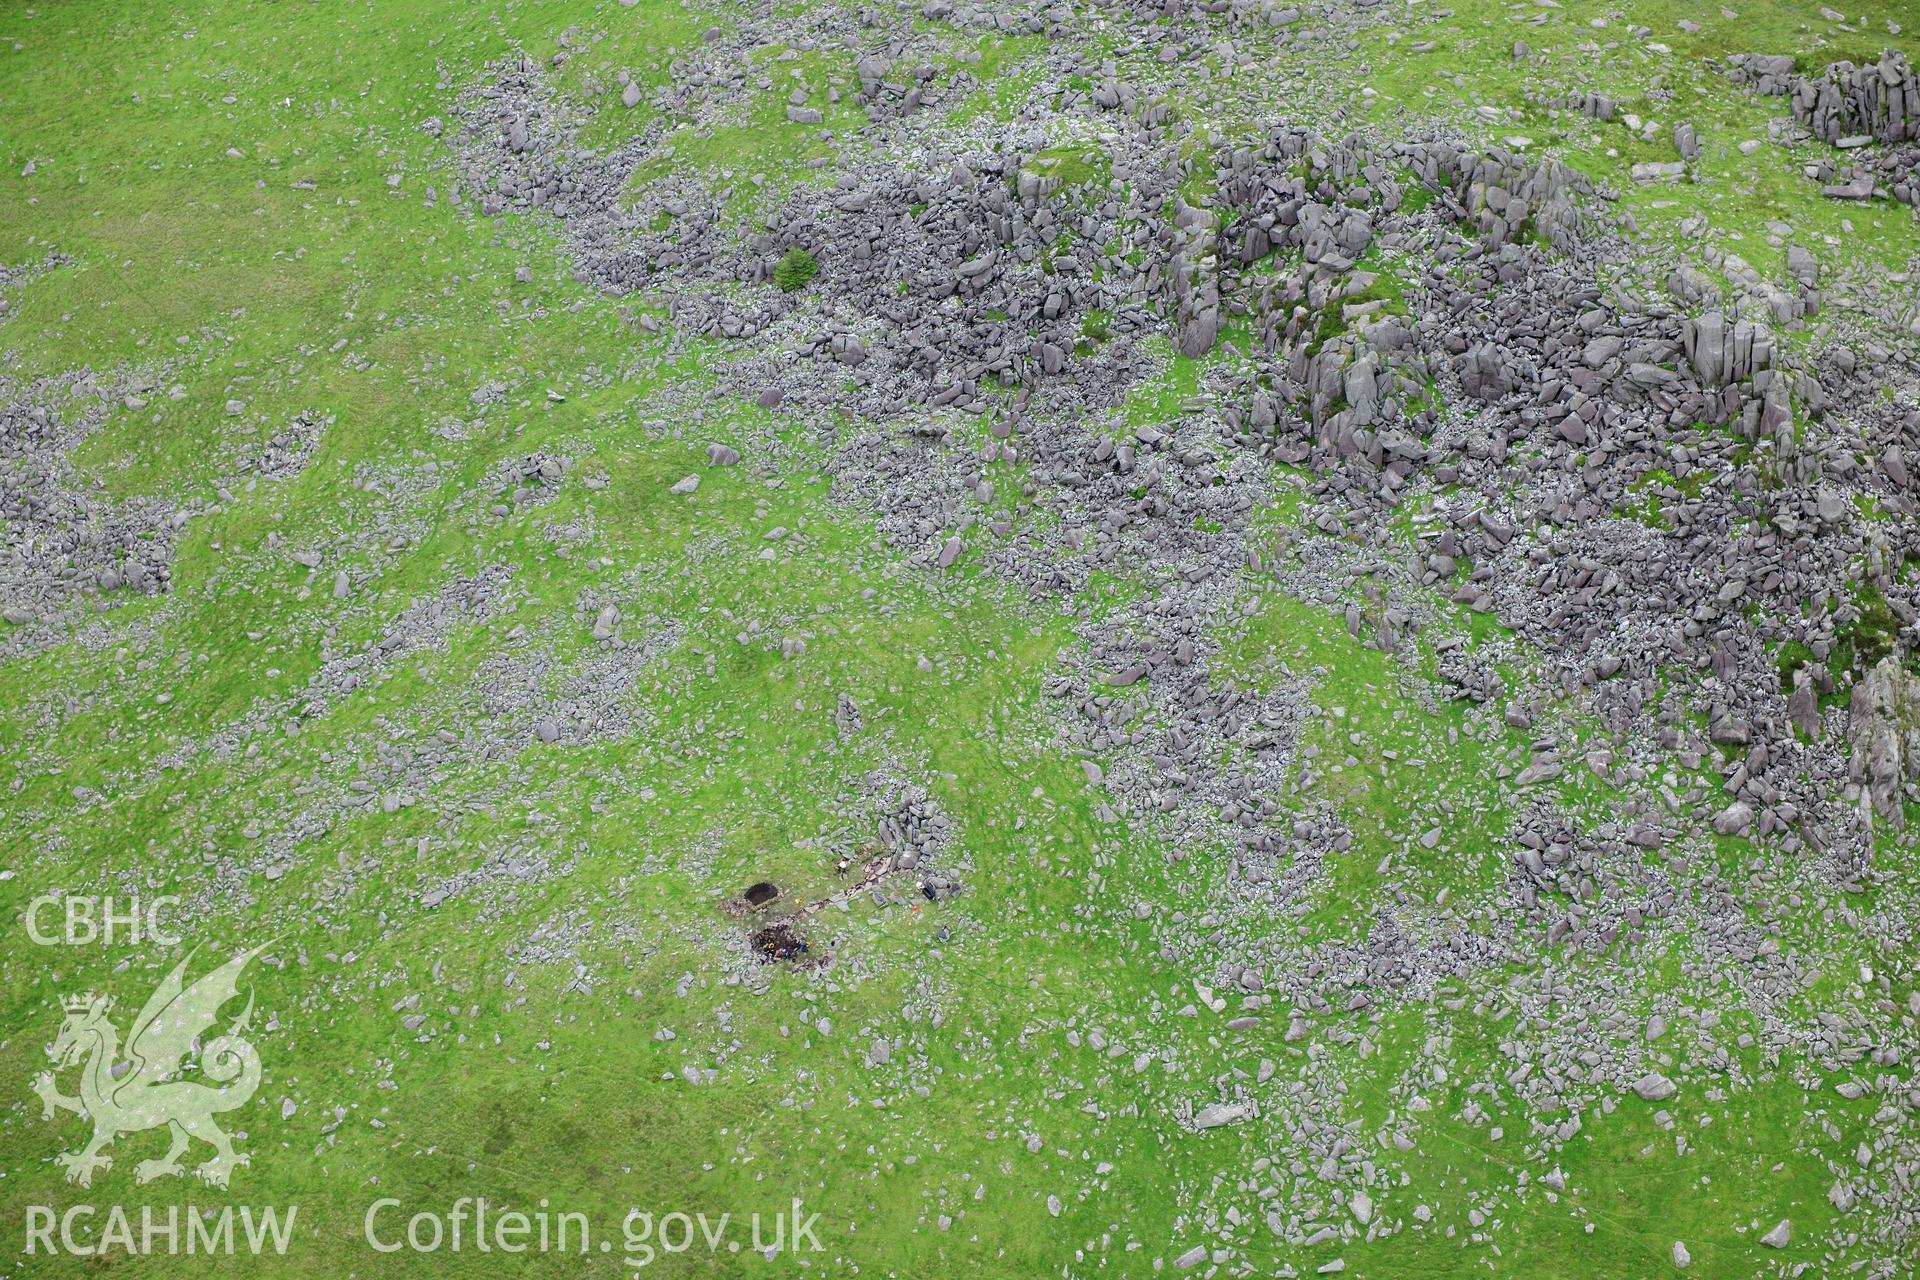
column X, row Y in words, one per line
column 1883, row 735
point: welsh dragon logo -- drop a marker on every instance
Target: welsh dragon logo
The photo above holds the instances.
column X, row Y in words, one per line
column 135, row 1089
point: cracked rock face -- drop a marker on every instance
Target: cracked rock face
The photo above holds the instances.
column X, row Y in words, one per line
column 1883, row 736
column 1880, row 100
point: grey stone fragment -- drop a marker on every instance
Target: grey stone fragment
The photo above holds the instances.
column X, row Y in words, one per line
column 1654, row 1087
column 1218, row 1114
column 1734, row 820
column 1859, row 187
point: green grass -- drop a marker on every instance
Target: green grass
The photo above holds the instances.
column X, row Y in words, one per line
column 1165, row 398
column 555, row 906
column 1071, row 166
column 1739, row 196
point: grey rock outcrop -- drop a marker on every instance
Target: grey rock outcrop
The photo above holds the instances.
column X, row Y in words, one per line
column 1883, row 738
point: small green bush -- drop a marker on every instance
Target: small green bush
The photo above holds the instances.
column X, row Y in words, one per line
column 794, row 270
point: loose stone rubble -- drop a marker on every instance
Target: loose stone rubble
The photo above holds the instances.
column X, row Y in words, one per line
column 1532, row 377
column 1487, row 399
